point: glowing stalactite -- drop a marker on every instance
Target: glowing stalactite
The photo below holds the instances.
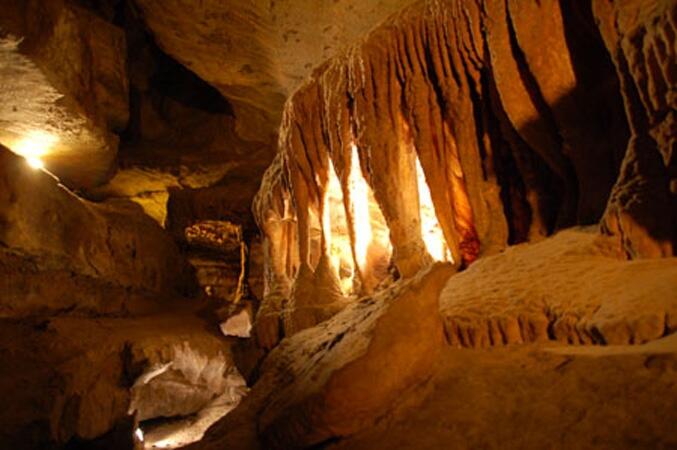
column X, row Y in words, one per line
column 359, row 194
column 335, row 229
column 314, row 236
column 469, row 244
column 372, row 245
column 431, row 231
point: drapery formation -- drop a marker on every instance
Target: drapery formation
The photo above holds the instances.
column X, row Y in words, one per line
column 475, row 125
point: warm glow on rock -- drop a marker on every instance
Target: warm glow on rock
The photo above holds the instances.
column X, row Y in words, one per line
column 432, row 234
column 359, row 195
column 35, row 162
column 371, row 234
column 34, row 146
column 335, row 229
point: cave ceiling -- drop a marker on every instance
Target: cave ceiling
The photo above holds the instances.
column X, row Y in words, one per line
column 257, row 53
column 139, row 98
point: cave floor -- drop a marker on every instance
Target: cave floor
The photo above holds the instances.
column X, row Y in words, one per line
column 77, row 372
column 536, row 397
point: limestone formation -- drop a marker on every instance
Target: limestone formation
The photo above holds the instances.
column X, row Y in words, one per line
column 378, row 368
column 75, row 378
column 64, row 88
column 642, row 210
column 338, row 224
column 262, row 50
column 472, row 113
column 571, row 288
column 49, row 231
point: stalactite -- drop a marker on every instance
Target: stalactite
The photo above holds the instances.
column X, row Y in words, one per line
column 448, row 109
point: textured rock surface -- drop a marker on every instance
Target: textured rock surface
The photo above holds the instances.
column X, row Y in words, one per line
column 397, row 310
column 257, row 53
column 642, row 211
column 341, row 376
column 86, row 243
column 509, row 148
column 65, row 87
column 533, row 398
column 570, row 288
column 377, row 359
column 68, row 378
column 181, row 138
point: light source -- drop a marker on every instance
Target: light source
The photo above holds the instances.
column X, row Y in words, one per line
column 33, row 146
column 431, row 231
column 35, row 162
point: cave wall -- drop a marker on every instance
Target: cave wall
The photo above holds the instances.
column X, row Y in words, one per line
column 642, row 210
column 65, row 87
column 61, row 253
column 520, row 114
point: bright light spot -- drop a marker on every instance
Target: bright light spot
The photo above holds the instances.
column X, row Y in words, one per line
column 34, row 146
column 336, row 235
column 359, row 195
column 35, row 163
column 239, row 325
column 372, row 245
column 139, row 434
column 431, row 232
column 165, row 443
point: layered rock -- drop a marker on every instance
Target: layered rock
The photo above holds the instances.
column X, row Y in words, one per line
column 389, row 370
column 219, row 255
column 65, row 88
column 572, row 288
column 344, row 375
column 181, row 140
column 46, row 229
column 451, row 124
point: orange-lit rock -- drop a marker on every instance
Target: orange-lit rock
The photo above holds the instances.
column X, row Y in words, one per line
column 496, row 136
column 342, row 224
column 642, row 210
column 262, row 51
column 64, row 76
column 72, row 377
column 50, row 228
column 571, row 288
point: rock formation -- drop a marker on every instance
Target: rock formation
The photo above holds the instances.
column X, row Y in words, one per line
column 337, row 224
column 262, row 50
column 65, row 88
column 641, row 210
column 462, row 101
column 48, row 232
